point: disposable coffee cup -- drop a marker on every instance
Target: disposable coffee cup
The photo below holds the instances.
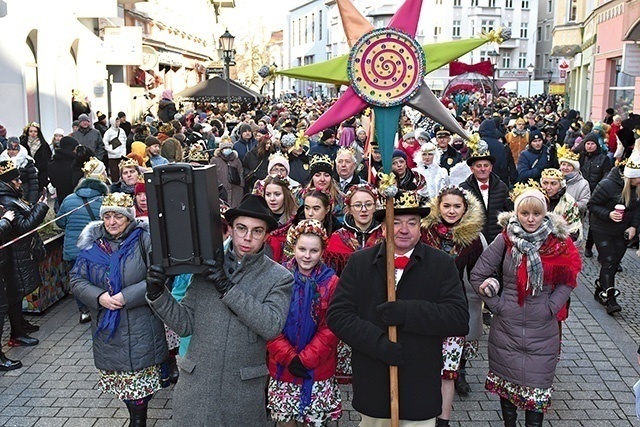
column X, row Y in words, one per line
column 620, row 209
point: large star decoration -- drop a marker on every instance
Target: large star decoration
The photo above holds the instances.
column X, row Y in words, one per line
column 385, row 69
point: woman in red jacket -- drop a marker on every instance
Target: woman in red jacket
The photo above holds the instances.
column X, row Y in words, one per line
column 302, row 359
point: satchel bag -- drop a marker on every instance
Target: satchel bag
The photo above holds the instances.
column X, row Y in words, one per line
column 233, row 175
column 115, row 142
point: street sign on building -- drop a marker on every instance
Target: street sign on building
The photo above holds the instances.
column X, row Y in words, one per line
column 631, row 59
column 564, row 65
column 149, row 58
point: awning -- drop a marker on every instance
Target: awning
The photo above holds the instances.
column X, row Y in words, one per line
column 215, row 90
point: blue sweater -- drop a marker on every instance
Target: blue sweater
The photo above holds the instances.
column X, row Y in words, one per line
column 74, row 224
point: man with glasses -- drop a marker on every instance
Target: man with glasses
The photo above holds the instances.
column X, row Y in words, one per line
column 430, row 305
column 230, row 311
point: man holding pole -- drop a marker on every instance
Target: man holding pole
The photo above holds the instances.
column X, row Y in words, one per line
column 430, row 305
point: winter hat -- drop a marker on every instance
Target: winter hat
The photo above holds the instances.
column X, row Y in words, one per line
column 591, row 136
column 75, row 123
column 408, row 135
column 151, row 140
column 225, row 142
column 140, row 187
column 535, row 134
column 3, row 131
column 632, row 167
column 83, row 118
column 610, row 111
column 58, row 131
column 68, row 143
column 244, row 128
column 101, row 116
column 575, row 126
column 8, row 171
column 320, row 163
column 523, row 191
column 94, row 168
column 139, row 160
column 278, row 159
column 399, row 153
column 121, row 203
column 326, row 134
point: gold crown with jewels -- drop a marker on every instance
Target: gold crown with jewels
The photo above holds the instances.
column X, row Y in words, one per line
column 406, row 200
column 552, row 173
column 91, row 165
column 121, row 200
column 345, row 150
column 127, row 163
column 8, row 166
column 320, row 158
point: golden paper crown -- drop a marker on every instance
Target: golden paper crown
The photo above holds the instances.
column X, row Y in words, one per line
column 278, row 154
column 345, row 150
column 8, row 166
column 552, row 173
column 320, row 158
column 225, row 138
column 121, row 200
column 406, row 200
column 565, row 152
column 126, row 163
column 197, row 155
column 91, row 165
column 521, row 187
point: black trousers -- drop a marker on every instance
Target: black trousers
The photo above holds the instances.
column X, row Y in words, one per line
column 611, row 249
column 11, row 304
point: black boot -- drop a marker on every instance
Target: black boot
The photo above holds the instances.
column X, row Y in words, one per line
column 22, row 340
column 29, row 327
column 7, row 364
column 533, row 419
column 174, row 372
column 509, row 413
column 597, row 293
column 442, row 423
column 462, row 386
column 138, row 414
column 613, row 306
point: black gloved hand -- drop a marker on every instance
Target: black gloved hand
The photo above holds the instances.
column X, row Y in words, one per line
column 297, row 369
column 216, row 275
column 389, row 352
column 392, row 313
column 156, row 279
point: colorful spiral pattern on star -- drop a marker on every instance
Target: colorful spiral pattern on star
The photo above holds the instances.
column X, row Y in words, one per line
column 386, row 67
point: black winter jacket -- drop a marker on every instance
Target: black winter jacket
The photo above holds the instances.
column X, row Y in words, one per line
column 490, row 134
column 23, row 271
column 41, row 158
column 499, row 201
column 299, row 168
column 29, row 177
column 61, row 172
column 5, row 255
column 604, row 199
column 594, row 167
column 434, row 303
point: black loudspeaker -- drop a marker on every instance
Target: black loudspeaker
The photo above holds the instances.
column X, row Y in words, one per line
column 184, row 216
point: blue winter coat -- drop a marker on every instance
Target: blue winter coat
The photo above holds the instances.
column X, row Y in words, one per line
column 532, row 162
column 74, row 224
column 490, row 134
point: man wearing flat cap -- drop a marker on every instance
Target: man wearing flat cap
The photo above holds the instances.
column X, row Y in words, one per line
column 449, row 156
column 230, row 311
column 430, row 305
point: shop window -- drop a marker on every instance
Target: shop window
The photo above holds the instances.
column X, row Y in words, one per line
column 621, row 88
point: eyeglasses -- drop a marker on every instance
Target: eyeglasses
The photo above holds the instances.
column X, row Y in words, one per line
column 363, row 206
column 256, row 233
column 278, row 170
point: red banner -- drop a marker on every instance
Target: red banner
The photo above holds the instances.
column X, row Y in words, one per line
column 456, row 68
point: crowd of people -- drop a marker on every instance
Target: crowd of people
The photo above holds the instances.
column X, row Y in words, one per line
column 296, row 302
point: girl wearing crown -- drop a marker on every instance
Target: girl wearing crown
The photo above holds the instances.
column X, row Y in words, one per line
column 538, row 265
column 283, row 208
column 454, row 225
column 130, row 172
column 302, row 359
column 109, row 277
column 562, row 203
column 321, row 173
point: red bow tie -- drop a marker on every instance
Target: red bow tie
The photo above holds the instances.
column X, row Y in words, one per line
column 401, row 262
column 484, row 187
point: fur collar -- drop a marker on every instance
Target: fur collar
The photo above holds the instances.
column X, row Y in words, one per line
column 558, row 224
column 468, row 228
column 93, row 184
column 94, row 230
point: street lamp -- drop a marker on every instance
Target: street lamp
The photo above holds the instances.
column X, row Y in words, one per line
column 226, row 42
column 493, row 57
column 550, row 74
column 530, row 69
column 275, row 66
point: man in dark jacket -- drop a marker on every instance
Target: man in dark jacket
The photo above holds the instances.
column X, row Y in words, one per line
column 449, row 156
column 61, row 168
column 534, row 159
column 22, row 273
column 565, row 124
column 246, row 142
column 327, row 145
column 89, row 137
column 490, row 190
column 430, row 305
column 491, row 135
column 6, row 364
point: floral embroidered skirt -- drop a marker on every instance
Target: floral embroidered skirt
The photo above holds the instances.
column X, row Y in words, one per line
column 451, row 354
column 131, row 385
column 343, row 368
column 284, row 399
column 527, row 398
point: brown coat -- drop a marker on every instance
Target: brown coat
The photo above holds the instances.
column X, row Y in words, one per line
column 234, row 192
column 517, row 143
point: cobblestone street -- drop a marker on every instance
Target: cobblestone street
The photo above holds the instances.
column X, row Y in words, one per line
column 57, row 386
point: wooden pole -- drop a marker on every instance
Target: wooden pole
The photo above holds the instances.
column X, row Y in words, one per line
column 391, row 296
